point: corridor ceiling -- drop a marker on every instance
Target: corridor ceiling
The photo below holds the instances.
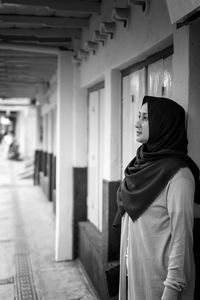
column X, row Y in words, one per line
column 49, row 24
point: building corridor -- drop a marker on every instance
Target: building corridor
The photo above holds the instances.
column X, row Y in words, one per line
column 27, row 266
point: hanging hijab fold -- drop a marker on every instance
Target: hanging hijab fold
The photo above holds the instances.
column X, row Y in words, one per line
column 157, row 161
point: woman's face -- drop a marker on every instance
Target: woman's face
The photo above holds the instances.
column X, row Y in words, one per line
column 142, row 125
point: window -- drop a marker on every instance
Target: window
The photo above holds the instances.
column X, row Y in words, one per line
column 150, row 77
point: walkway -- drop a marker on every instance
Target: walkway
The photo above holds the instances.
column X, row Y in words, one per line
column 28, row 270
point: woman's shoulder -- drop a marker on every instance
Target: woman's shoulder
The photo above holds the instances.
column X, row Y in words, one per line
column 183, row 174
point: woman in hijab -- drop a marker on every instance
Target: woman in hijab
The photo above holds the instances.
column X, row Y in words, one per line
column 156, row 208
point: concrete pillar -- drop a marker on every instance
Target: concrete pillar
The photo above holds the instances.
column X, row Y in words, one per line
column 20, row 133
column 186, row 81
column 112, row 162
column 55, row 130
column 80, row 122
column 64, row 237
column 39, row 129
column 31, row 132
column 181, row 66
column 49, row 133
column 194, row 92
column 44, row 140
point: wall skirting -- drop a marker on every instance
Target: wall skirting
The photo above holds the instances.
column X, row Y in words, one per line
column 97, row 248
column 80, row 203
column 111, row 238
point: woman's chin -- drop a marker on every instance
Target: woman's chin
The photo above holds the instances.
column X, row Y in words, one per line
column 139, row 140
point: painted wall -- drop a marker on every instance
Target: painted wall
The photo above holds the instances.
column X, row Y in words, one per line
column 80, row 106
column 26, row 132
column 20, row 132
column 181, row 66
column 31, row 132
column 129, row 45
column 145, row 35
column 194, row 92
column 64, row 186
column 180, row 9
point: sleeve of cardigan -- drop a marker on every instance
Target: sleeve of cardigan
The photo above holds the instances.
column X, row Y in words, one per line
column 180, row 204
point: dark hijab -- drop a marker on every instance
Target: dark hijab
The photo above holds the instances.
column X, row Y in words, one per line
column 157, row 161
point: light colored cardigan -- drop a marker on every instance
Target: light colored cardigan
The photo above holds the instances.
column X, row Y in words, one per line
column 159, row 244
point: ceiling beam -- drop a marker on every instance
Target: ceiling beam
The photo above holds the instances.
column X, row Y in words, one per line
column 69, row 6
column 33, row 58
column 26, row 72
column 59, row 45
column 33, row 39
column 45, row 32
column 25, row 63
column 40, row 77
column 32, row 65
column 9, row 78
column 20, row 83
column 29, row 48
column 12, row 61
column 45, row 21
column 10, row 93
column 15, row 94
column 29, row 66
column 7, row 50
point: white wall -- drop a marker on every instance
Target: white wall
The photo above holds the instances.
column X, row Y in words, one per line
column 64, row 185
column 112, row 111
column 194, row 92
column 26, row 131
column 49, row 120
column 145, row 35
column 79, row 121
column 181, row 66
column 129, row 45
column 54, row 130
column 20, row 132
column 31, row 131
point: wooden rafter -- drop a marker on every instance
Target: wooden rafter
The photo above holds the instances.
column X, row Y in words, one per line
column 43, row 72
column 45, row 21
column 32, row 64
column 24, row 62
column 33, row 39
column 25, row 72
column 69, row 6
column 28, row 72
column 19, row 83
column 57, row 33
column 26, row 55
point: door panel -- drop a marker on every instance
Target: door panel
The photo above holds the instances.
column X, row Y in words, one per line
column 133, row 93
column 160, row 78
column 126, row 121
column 155, row 79
column 137, row 94
column 93, row 157
column 167, row 77
column 101, row 153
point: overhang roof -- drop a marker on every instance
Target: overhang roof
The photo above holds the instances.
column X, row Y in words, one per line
column 30, row 30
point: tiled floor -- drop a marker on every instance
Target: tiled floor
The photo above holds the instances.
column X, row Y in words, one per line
column 28, row 270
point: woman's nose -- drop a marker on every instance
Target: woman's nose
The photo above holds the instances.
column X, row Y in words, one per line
column 137, row 124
